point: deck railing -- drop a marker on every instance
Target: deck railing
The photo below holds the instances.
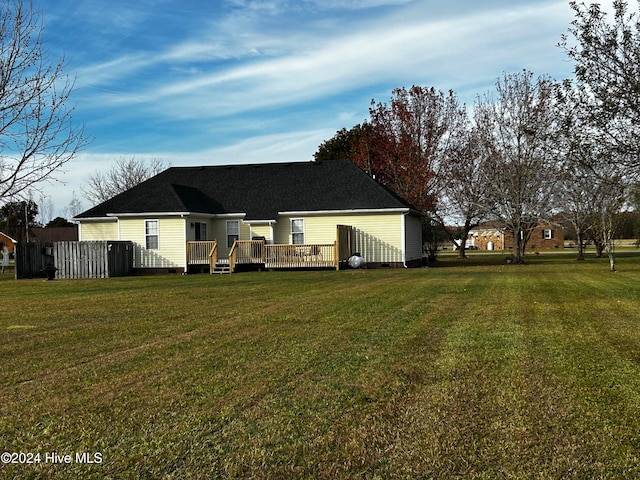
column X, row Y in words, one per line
column 300, row 256
column 246, row 252
column 257, row 252
column 250, row 251
column 198, row 253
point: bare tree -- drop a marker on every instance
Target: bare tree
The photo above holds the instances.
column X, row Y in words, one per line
column 606, row 53
column 576, row 199
column 516, row 131
column 37, row 135
column 611, row 196
column 595, row 178
column 576, row 195
column 46, row 209
column 123, row 175
column 463, row 201
column 75, row 205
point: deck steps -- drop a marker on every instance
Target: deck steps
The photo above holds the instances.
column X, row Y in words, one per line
column 221, row 269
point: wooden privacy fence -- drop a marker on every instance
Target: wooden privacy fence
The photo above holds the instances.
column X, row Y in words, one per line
column 97, row 259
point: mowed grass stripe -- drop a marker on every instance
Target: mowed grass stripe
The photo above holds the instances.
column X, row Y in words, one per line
column 478, row 371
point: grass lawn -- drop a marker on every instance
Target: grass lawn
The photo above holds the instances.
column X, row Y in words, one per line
column 472, row 369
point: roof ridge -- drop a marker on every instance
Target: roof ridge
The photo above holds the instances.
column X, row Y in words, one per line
column 252, row 165
column 259, row 190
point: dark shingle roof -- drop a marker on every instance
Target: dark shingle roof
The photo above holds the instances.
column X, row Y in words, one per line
column 259, row 190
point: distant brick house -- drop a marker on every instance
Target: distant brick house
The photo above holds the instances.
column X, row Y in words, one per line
column 490, row 237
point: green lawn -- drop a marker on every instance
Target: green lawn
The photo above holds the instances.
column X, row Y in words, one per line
column 473, row 369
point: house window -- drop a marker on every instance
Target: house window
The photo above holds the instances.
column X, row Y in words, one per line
column 297, row 231
column 547, row 234
column 151, row 234
column 233, row 232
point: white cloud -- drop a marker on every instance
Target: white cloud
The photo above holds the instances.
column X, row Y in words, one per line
column 303, row 65
column 256, row 61
column 408, row 45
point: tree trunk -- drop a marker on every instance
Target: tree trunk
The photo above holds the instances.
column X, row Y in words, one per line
column 612, row 261
column 463, row 239
column 612, row 258
column 517, row 249
column 580, row 247
column 599, row 249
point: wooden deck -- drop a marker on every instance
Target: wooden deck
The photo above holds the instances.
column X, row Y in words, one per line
column 258, row 252
column 300, row 256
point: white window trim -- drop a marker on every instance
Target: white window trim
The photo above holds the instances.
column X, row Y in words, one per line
column 237, row 222
column 304, row 230
column 549, row 236
column 146, row 235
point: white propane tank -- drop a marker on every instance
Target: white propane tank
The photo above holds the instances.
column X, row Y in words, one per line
column 356, row 261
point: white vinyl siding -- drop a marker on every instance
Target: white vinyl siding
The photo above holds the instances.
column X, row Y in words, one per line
column 171, row 242
column 378, row 237
column 218, row 231
column 100, row 230
column 262, row 231
column 195, row 224
column 413, row 238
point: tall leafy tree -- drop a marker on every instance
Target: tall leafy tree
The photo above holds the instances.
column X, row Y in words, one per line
column 18, row 215
column 37, row 134
column 346, row 144
column 409, row 140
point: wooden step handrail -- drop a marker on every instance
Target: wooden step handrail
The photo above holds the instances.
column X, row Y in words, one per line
column 213, row 256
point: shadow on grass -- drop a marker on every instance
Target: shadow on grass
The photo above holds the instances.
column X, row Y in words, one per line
column 497, row 259
column 472, row 260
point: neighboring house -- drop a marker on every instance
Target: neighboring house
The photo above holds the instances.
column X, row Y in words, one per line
column 299, row 204
column 489, row 237
column 41, row 234
column 53, row 234
column 7, row 240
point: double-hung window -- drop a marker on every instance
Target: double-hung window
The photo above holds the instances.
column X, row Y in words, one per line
column 233, row 232
column 547, row 234
column 151, row 234
column 297, row 231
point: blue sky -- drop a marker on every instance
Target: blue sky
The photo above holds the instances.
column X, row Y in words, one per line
column 234, row 81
